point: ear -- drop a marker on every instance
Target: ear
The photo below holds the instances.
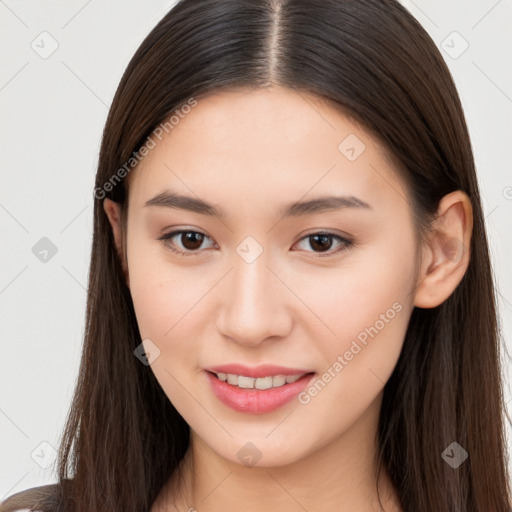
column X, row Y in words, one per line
column 445, row 257
column 113, row 211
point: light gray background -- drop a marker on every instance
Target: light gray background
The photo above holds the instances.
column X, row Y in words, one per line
column 54, row 110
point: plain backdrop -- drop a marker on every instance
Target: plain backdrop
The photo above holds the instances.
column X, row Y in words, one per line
column 60, row 65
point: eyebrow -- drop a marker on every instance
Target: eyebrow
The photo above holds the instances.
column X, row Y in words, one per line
column 321, row 204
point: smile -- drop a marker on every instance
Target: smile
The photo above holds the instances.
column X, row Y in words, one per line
column 257, row 390
column 268, row 382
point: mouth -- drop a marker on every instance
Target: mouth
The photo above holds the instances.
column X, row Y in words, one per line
column 261, row 383
column 257, row 390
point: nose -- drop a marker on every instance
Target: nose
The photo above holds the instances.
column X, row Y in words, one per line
column 256, row 305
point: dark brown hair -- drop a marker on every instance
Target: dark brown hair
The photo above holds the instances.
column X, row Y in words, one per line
column 372, row 60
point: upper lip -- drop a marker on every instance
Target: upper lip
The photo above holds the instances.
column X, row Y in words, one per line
column 264, row 370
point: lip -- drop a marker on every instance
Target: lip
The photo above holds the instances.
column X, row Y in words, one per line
column 256, row 401
column 264, row 370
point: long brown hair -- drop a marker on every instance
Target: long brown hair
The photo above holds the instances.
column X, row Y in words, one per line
column 371, row 59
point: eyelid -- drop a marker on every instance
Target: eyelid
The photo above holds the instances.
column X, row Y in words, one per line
column 168, row 236
column 347, row 241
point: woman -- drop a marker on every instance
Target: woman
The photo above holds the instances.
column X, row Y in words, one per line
column 290, row 301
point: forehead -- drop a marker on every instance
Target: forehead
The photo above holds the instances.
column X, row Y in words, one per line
column 254, row 148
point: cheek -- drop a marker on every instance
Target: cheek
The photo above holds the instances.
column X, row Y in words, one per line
column 166, row 303
column 358, row 365
column 368, row 307
column 163, row 301
column 351, row 297
column 163, row 293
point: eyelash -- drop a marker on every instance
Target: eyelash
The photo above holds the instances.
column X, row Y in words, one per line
column 347, row 243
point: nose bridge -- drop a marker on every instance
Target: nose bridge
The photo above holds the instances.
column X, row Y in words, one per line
column 253, row 307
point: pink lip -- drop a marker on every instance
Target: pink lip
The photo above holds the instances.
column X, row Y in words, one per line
column 264, row 370
column 256, row 401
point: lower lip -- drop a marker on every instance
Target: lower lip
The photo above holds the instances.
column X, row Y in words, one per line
column 257, row 401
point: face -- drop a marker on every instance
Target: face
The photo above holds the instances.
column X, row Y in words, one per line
column 267, row 282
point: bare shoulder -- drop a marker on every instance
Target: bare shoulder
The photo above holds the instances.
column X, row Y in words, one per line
column 44, row 498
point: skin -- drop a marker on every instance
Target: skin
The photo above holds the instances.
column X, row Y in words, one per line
column 251, row 152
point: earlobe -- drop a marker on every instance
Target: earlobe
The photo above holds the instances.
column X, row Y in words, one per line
column 113, row 211
column 446, row 254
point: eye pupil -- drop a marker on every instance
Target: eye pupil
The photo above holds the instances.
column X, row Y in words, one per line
column 324, row 239
column 191, row 242
column 196, row 239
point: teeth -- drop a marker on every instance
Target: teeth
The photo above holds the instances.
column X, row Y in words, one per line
column 245, row 382
column 261, row 383
column 278, row 380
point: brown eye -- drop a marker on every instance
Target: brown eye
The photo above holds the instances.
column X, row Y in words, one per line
column 189, row 241
column 322, row 243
